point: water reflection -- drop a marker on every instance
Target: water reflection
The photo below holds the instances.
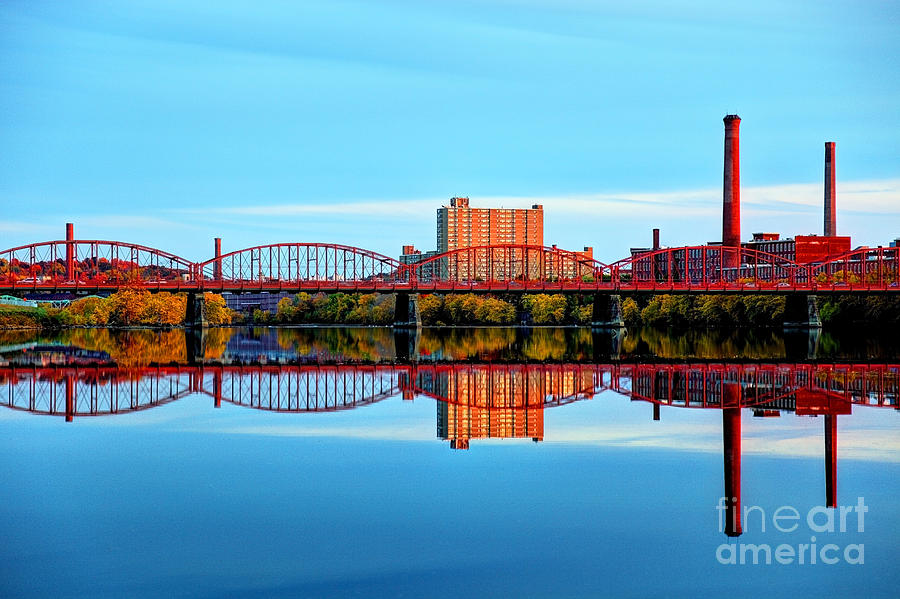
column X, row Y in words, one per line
column 487, row 383
column 136, row 348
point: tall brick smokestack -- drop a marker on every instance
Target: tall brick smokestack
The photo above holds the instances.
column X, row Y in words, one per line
column 655, row 239
column 830, row 193
column 731, row 191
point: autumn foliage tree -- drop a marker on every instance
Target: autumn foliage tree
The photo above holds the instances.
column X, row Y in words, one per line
column 133, row 306
column 128, row 305
column 337, row 308
column 217, row 312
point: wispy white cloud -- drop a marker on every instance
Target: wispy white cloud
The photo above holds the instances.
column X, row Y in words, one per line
column 788, row 437
column 870, row 197
column 374, row 208
column 868, row 445
column 22, row 227
column 129, row 221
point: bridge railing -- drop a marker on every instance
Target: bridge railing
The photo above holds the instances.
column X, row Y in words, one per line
column 708, row 268
column 862, row 269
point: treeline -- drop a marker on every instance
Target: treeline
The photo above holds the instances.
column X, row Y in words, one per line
column 724, row 311
column 128, row 307
column 137, row 307
column 661, row 311
column 847, row 311
column 469, row 308
column 434, row 310
column 336, row 308
column 680, row 311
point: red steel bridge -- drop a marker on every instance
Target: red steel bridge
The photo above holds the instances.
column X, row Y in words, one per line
column 101, row 266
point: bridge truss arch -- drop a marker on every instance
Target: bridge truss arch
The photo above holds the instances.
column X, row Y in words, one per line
column 298, row 389
column 92, row 264
column 302, row 266
column 865, row 269
column 506, row 267
column 708, row 268
column 93, row 390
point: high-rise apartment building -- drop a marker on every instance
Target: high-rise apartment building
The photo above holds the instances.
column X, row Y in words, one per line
column 459, row 226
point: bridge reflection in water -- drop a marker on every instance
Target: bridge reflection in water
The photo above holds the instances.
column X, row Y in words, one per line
column 478, row 400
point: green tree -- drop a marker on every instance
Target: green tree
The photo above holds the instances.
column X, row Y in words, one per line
column 546, row 309
column 631, row 313
column 495, row 311
column 430, row 307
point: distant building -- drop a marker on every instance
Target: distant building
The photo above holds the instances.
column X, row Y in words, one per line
column 579, row 269
column 248, row 302
column 895, row 243
column 586, row 254
column 802, row 249
column 411, row 255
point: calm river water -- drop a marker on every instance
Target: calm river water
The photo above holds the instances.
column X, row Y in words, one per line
column 342, row 462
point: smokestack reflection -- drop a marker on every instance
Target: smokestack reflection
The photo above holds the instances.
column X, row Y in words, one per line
column 731, row 436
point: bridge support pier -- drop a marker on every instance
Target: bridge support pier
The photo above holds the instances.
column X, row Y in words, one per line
column 801, row 312
column 406, row 311
column 800, row 344
column 606, row 343
column 195, row 340
column 607, row 312
column 406, row 344
column 195, row 316
column 523, row 316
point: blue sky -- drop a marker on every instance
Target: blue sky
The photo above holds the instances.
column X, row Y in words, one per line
column 168, row 123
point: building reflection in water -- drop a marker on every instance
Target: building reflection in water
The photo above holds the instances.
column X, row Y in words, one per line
column 474, row 400
column 500, row 402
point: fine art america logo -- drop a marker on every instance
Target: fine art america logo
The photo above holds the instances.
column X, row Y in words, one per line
column 788, row 520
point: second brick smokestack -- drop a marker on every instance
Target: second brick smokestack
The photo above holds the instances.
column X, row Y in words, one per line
column 830, row 193
column 217, row 253
column 731, row 191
